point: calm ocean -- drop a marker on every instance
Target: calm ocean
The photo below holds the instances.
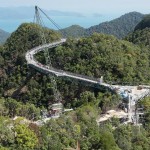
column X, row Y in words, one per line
column 63, row 21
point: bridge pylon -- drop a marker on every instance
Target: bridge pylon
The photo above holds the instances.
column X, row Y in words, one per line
column 38, row 20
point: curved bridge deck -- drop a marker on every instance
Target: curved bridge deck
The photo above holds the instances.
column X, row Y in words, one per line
column 129, row 92
column 46, row 69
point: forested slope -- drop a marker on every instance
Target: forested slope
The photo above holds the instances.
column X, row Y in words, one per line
column 3, row 36
column 118, row 27
column 144, row 23
column 15, row 75
column 74, row 31
column 103, row 55
column 97, row 55
column 141, row 35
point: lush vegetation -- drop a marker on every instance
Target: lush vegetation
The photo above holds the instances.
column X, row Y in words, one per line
column 119, row 27
column 3, row 36
column 15, row 77
column 24, row 93
column 103, row 55
column 98, row 55
column 78, row 126
column 144, row 23
column 74, row 31
column 141, row 36
column 146, row 105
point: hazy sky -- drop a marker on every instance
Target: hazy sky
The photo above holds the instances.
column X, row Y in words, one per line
column 94, row 11
column 85, row 6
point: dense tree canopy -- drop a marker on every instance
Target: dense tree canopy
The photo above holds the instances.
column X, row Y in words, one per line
column 3, row 36
column 14, row 73
column 98, row 55
column 144, row 23
column 103, row 55
column 74, row 31
column 118, row 27
column 22, row 90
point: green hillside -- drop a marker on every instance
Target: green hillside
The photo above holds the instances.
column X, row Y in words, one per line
column 104, row 55
column 3, row 36
column 119, row 27
column 144, row 23
column 15, row 73
column 141, row 34
column 24, row 92
column 74, row 31
column 116, row 60
column 140, row 37
column 97, row 55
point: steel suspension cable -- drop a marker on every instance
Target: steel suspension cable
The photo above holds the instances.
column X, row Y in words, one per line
column 39, row 21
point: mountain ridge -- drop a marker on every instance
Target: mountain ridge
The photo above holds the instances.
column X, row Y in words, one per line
column 3, row 36
column 118, row 27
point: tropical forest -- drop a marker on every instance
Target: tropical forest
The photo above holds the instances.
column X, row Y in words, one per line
column 27, row 95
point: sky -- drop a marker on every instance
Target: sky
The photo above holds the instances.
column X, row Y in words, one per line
column 93, row 11
column 85, row 6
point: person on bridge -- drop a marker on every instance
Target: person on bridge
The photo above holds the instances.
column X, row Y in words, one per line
column 101, row 79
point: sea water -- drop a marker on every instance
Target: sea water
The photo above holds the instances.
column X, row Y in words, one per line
column 11, row 25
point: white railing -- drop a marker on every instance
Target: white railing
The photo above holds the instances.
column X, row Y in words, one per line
column 46, row 69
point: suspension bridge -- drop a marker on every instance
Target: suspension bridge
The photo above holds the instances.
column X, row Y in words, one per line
column 130, row 92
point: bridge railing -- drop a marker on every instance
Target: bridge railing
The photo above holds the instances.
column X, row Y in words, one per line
column 66, row 73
